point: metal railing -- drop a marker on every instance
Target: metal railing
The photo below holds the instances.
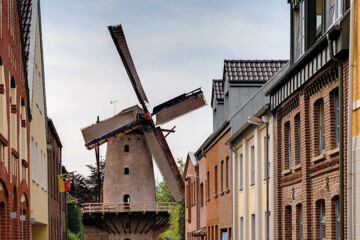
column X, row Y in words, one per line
column 127, row 207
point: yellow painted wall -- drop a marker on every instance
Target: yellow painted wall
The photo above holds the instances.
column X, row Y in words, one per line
column 38, row 191
column 356, row 71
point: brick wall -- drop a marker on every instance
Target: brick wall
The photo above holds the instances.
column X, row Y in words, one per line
column 316, row 178
column 57, row 199
column 14, row 189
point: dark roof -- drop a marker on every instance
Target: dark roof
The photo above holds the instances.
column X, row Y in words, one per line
column 54, row 132
column 25, row 13
column 251, row 70
column 218, row 90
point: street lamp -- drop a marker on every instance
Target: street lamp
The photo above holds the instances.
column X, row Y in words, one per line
column 114, row 102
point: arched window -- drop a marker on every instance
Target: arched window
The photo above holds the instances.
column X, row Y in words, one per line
column 126, row 198
column 126, row 148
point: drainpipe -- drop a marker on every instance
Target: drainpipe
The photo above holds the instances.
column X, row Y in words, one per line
column 338, row 62
column 198, row 197
column 349, row 132
column 60, row 195
column 265, row 119
column 235, row 193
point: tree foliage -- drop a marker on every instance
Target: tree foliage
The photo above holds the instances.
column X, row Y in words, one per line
column 75, row 225
column 85, row 189
column 177, row 215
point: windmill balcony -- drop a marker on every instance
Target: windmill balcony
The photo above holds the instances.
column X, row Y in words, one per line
column 157, row 207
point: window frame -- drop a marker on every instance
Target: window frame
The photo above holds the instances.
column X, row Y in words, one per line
column 241, row 171
column 252, row 165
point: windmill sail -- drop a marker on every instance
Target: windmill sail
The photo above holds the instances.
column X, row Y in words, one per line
column 120, row 124
column 119, row 39
column 165, row 162
column 179, row 106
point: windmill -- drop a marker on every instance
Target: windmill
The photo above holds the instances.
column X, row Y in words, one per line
column 133, row 139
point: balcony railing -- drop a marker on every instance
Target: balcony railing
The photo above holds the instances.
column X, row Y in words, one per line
column 127, row 207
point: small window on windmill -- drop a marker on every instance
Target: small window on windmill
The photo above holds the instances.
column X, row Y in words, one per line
column 126, row 171
column 127, row 225
column 126, row 148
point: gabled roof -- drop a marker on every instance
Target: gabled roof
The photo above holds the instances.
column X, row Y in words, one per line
column 217, row 89
column 190, row 158
column 25, row 15
column 54, row 132
column 251, row 70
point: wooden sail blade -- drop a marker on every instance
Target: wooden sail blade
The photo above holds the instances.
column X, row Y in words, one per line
column 165, row 162
column 179, row 106
column 120, row 124
column 119, row 39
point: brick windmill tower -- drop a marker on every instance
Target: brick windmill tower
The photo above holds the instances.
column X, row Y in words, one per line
column 129, row 209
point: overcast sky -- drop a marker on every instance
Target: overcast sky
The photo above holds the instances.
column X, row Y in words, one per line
column 177, row 46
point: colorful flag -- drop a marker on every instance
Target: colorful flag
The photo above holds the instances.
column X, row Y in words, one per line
column 61, row 184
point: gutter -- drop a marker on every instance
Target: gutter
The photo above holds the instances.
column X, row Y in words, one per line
column 349, row 130
column 330, row 37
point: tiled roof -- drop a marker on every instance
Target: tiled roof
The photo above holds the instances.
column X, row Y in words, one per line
column 251, row 70
column 25, row 12
column 218, row 90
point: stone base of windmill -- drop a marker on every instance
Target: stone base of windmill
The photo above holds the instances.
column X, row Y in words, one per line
column 125, row 221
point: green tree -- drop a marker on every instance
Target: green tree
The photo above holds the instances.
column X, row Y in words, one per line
column 75, row 225
column 177, row 215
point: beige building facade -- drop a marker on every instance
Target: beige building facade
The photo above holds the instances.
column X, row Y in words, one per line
column 38, row 127
column 252, row 151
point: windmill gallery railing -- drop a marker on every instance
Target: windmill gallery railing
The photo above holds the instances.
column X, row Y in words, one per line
column 127, row 207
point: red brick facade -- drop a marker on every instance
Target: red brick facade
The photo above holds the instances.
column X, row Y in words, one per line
column 14, row 129
column 57, row 200
column 312, row 179
column 214, row 189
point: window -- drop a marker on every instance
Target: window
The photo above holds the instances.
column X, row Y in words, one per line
column 241, row 228
column 299, row 222
column 288, row 222
column 253, row 227
column 319, row 17
column 222, row 176
column 126, row 198
column 321, row 219
column 227, row 172
column 321, row 126
column 252, row 157
column 241, row 165
column 337, row 218
column 288, row 144
column 216, row 180
column 266, row 163
column 299, row 30
column 201, row 194
column 208, row 184
column 336, row 110
column 126, row 148
column 334, row 9
column 126, row 171
column 298, row 138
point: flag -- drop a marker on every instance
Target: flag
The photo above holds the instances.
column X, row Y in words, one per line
column 64, row 183
column 67, row 185
column 61, row 184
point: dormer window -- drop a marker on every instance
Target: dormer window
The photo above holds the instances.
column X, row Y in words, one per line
column 299, row 30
